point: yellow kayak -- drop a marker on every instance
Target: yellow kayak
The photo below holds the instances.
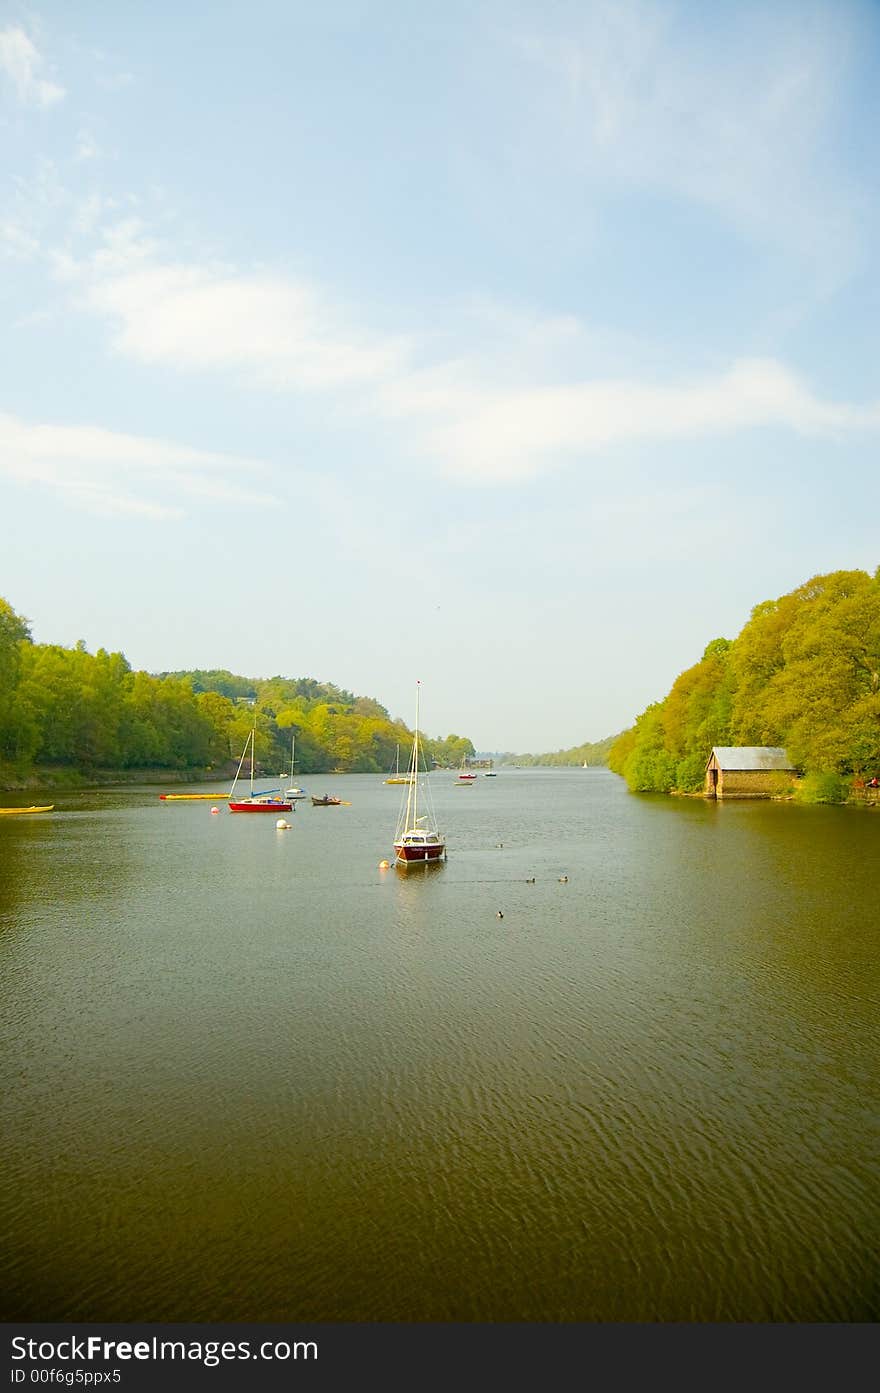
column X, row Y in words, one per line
column 48, row 808
column 185, row 797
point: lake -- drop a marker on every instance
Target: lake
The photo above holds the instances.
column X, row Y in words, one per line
column 248, row 1075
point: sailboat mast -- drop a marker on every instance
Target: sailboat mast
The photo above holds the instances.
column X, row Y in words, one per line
column 415, row 778
column 253, row 742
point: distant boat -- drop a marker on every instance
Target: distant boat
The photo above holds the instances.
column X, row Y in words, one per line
column 265, row 802
column 396, row 777
column 464, row 772
column 188, row 797
column 329, row 800
column 294, row 791
column 13, row 812
column 417, row 840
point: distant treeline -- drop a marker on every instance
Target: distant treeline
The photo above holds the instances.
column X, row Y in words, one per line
column 804, row 674
column 595, row 754
column 71, row 708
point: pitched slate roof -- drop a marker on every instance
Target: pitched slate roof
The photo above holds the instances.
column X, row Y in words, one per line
column 741, row 757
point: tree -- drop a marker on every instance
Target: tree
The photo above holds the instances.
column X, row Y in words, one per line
column 14, row 632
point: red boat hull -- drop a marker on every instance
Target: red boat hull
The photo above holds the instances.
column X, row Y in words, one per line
column 260, row 807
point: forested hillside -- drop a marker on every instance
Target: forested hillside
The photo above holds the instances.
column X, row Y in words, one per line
column 592, row 754
column 804, row 673
column 71, row 709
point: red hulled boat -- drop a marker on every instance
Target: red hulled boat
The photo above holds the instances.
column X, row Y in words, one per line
column 417, row 839
column 267, row 801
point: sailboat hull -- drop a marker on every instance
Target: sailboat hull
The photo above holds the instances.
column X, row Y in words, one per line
column 247, row 807
column 408, row 855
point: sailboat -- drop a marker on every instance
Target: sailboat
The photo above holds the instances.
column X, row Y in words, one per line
column 396, row 777
column 265, row 802
column 417, row 840
column 464, row 772
column 294, row 791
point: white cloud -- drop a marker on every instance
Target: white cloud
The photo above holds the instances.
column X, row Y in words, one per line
column 87, row 147
column 107, row 471
column 22, row 62
column 271, row 329
column 735, row 114
column 498, row 415
column 17, row 240
column 486, row 435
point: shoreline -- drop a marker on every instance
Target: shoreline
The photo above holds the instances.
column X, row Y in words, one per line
column 60, row 777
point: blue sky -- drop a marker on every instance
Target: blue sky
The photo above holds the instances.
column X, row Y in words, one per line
column 520, row 348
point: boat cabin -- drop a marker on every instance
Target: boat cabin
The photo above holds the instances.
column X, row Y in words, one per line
column 747, row 771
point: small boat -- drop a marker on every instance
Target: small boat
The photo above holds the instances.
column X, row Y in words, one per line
column 417, row 840
column 328, row 801
column 13, row 812
column 264, row 802
column 395, row 777
column 294, row 792
column 189, row 797
column 464, row 772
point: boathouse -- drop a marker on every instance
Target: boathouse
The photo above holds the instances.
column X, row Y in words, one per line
column 746, row 771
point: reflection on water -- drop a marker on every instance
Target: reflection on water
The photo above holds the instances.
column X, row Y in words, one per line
column 251, row 1075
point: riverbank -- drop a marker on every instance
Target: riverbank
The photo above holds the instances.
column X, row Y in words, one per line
column 864, row 798
column 62, row 776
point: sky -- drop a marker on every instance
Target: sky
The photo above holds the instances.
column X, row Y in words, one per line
column 518, row 349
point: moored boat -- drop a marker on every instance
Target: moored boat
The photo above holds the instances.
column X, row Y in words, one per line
column 189, row 797
column 14, row 812
column 294, row 792
column 327, row 801
column 397, row 776
column 417, row 840
column 262, row 802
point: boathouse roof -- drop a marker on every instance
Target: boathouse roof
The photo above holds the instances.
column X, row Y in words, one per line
column 741, row 757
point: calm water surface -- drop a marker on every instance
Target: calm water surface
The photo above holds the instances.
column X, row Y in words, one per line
column 246, row 1074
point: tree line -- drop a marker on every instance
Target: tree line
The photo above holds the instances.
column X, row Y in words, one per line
column 804, row 674
column 594, row 754
column 68, row 708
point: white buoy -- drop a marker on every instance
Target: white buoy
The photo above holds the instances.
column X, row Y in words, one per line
column 214, row 812
column 282, row 825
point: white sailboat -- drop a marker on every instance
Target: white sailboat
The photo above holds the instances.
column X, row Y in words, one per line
column 417, row 839
column 294, row 791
